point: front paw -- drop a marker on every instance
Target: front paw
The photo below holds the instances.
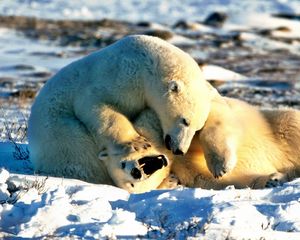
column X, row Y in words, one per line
column 138, row 144
column 219, row 165
column 218, row 169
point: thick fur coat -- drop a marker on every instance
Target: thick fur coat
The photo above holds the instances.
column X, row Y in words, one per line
column 239, row 145
column 87, row 108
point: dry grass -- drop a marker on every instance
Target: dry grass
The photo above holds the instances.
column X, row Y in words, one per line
column 16, row 192
column 16, row 132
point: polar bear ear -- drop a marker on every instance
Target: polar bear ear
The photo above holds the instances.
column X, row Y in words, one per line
column 103, row 155
column 212, row 91
column 174, row 86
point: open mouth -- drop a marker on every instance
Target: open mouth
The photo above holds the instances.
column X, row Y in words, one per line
column 148, row 165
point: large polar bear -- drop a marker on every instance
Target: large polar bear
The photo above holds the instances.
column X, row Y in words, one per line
column 88, row 106
column 239, row 145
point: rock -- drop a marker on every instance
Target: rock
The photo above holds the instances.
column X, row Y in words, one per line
column 182, row 24
column 68, row 32
column 283, row 29
column 144, row 24
column 25, row 93
column 288, row 16
column 38, row 74
column 216, row 19
column 24, row 67
column 163, row 34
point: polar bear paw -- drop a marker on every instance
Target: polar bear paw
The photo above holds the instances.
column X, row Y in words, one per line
column 137, row 144
column 170, row 182
column 219, row 165
column 276, row 179
column 219, row 170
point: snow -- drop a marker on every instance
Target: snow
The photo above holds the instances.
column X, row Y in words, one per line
column 22, row 50
column 263, row 21
column 213, row 72
column 46, row 207
column 163, row 11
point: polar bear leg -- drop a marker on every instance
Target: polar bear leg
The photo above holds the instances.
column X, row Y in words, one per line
column 112, row 130
column 134, row 161
column 65, row 148
column 219, row 151
column 148, row 125
column 219, row 138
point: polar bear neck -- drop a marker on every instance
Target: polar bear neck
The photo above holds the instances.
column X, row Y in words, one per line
column 115, row 76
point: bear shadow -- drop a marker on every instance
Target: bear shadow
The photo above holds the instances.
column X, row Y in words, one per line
column 169, row 213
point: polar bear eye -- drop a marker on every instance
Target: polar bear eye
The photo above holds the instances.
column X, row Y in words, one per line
column 185, row 122
column 174, row 87
column 123, row 165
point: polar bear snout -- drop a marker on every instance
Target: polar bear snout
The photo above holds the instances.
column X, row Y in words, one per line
column 136, row 173
column 169, row 143
column 179, row 138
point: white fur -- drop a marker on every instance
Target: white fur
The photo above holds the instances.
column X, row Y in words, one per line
column 88, row 106
column 239, row 145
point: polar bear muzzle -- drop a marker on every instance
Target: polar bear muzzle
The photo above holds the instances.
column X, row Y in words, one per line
column 168, row 144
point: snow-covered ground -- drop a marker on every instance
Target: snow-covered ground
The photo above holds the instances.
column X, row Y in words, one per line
column 45, row 208
column 40, row 207
column 162, row 11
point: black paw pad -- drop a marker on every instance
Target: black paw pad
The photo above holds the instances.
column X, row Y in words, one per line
column 273, row 183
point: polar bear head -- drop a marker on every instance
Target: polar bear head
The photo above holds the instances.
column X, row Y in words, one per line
column 177, row 91
column 137, row 172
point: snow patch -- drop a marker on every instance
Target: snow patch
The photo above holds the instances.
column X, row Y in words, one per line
column 41, row 207
column 213, row 72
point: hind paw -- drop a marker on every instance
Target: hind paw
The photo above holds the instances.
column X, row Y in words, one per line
column 276, row 180
column 170, row 182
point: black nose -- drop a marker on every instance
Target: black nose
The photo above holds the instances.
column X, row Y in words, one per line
column 168, row 141
column 135, row 173
column 178, row 152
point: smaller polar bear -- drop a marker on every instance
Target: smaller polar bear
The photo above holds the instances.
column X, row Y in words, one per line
column 239, row 145
column 88, row 106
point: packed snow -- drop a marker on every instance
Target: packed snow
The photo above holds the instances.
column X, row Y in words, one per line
column 162, row 11
column 35, row 206
column 44, row 207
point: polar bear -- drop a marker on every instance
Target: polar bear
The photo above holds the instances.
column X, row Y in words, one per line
column 88, row 106
column 239, row 145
